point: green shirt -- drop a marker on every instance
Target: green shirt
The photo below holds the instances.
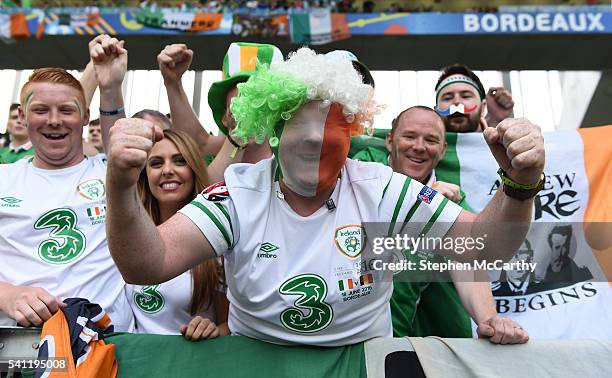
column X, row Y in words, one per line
column 7, row 155
column 428, row 308
column 423, row 308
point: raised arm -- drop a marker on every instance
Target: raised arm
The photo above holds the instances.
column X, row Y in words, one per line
column 173, row 61
column 499, row 105
column 518, row 147
column 228, row 154
column 110, row 64
column 89, row 82
column 144, row 254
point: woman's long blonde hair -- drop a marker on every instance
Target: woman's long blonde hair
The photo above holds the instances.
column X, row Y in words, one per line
column 205, row 277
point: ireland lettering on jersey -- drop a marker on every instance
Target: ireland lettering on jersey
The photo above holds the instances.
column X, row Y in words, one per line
column 149, row 299
column 311, row 313
column 66, row 242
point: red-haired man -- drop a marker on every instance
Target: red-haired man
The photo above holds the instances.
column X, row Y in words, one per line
column 52, row 208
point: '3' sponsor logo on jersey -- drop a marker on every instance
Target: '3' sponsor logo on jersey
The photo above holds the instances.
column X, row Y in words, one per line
column 311, row 313
column 66, row 242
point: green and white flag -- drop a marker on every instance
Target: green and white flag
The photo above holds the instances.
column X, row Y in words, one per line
column 166, row 18
column 567, row 295
column 317, row 26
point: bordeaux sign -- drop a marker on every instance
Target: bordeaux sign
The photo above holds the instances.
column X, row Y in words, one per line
column 533, row 23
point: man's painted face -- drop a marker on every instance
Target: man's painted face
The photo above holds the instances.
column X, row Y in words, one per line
column 460, row 94
column 313, row 147
column 55, row 118
column 417, row 144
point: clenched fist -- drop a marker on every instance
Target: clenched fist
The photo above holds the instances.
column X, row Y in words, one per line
column 173, row 61
column 131, row 139
column 518, row 146
column 110, row 60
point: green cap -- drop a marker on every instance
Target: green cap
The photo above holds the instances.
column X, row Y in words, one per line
column 239, row 63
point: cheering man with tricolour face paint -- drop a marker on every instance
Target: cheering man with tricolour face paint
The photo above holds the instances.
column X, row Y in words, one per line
column 291, row 227
column 461, row 101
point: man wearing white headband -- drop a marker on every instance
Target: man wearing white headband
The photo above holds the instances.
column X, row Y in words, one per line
column 461, row 99
column 291, row 226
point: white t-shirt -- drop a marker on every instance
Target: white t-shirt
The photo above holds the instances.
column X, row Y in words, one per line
column 294, row 279
column 53, row 235
column 163, row 308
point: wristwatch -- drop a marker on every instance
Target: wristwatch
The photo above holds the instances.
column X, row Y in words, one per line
column 518, row 191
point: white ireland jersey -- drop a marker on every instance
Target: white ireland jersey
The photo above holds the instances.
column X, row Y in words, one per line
column 294, row 279
column 161, row 309
column 53, row 235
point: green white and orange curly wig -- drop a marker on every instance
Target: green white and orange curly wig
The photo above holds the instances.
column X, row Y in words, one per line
column 275, row 93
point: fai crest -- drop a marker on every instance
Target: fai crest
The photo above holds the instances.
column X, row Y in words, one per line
column 216, row 192
column 350, row 240
column 92, row 189
column 427, row 194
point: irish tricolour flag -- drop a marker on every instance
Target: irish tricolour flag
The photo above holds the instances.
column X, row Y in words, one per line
column 317, row 26
column 578, row 173
column 567, row 296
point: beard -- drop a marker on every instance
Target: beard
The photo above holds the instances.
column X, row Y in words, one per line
column 462, row 123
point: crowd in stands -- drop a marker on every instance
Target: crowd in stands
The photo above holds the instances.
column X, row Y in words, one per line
column 218, row 6
column 236, row 246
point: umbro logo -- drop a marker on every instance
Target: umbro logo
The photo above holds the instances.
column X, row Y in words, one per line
column 10, row 202
column 266, row 251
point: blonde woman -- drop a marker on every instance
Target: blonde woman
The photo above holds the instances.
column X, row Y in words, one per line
column 192, row 303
